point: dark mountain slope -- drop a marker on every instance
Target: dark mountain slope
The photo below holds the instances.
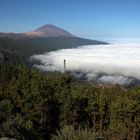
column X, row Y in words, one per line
column 1, row 57
column 10, row 57
column 20, row 46
column 36, row 45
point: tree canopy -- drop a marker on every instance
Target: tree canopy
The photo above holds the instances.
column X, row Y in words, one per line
column 35, row 106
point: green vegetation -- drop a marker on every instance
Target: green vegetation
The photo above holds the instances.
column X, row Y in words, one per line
column 37, row 106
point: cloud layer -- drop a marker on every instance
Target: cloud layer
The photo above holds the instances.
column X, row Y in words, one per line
column 116, row 63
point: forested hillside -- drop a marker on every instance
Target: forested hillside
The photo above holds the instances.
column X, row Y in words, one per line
column 38, row 106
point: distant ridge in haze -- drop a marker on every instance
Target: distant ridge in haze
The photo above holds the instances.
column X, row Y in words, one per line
column 49, row 30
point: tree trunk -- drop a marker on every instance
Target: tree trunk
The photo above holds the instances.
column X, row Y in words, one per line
column 2, row 128
column 94, row 123
column 101, row 124
column 134, row 129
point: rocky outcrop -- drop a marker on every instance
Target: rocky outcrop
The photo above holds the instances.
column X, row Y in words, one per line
column 5, row 138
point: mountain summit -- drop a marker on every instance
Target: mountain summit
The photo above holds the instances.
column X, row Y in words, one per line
column 49, row 31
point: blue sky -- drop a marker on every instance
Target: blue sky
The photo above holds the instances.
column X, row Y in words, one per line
column 86, row 18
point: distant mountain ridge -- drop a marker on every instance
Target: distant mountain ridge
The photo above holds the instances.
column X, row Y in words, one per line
column 49, row 30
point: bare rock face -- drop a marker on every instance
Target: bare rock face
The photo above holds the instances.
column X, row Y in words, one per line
column 50, row 31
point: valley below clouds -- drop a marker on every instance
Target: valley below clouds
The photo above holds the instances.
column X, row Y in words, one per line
column 111, row 64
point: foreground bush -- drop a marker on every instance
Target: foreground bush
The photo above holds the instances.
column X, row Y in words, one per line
column 69, row 133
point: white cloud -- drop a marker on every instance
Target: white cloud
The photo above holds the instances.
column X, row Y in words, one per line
column 115, row 79
column 116, row 62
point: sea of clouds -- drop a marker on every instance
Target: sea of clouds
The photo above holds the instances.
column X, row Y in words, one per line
column 113, row 64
